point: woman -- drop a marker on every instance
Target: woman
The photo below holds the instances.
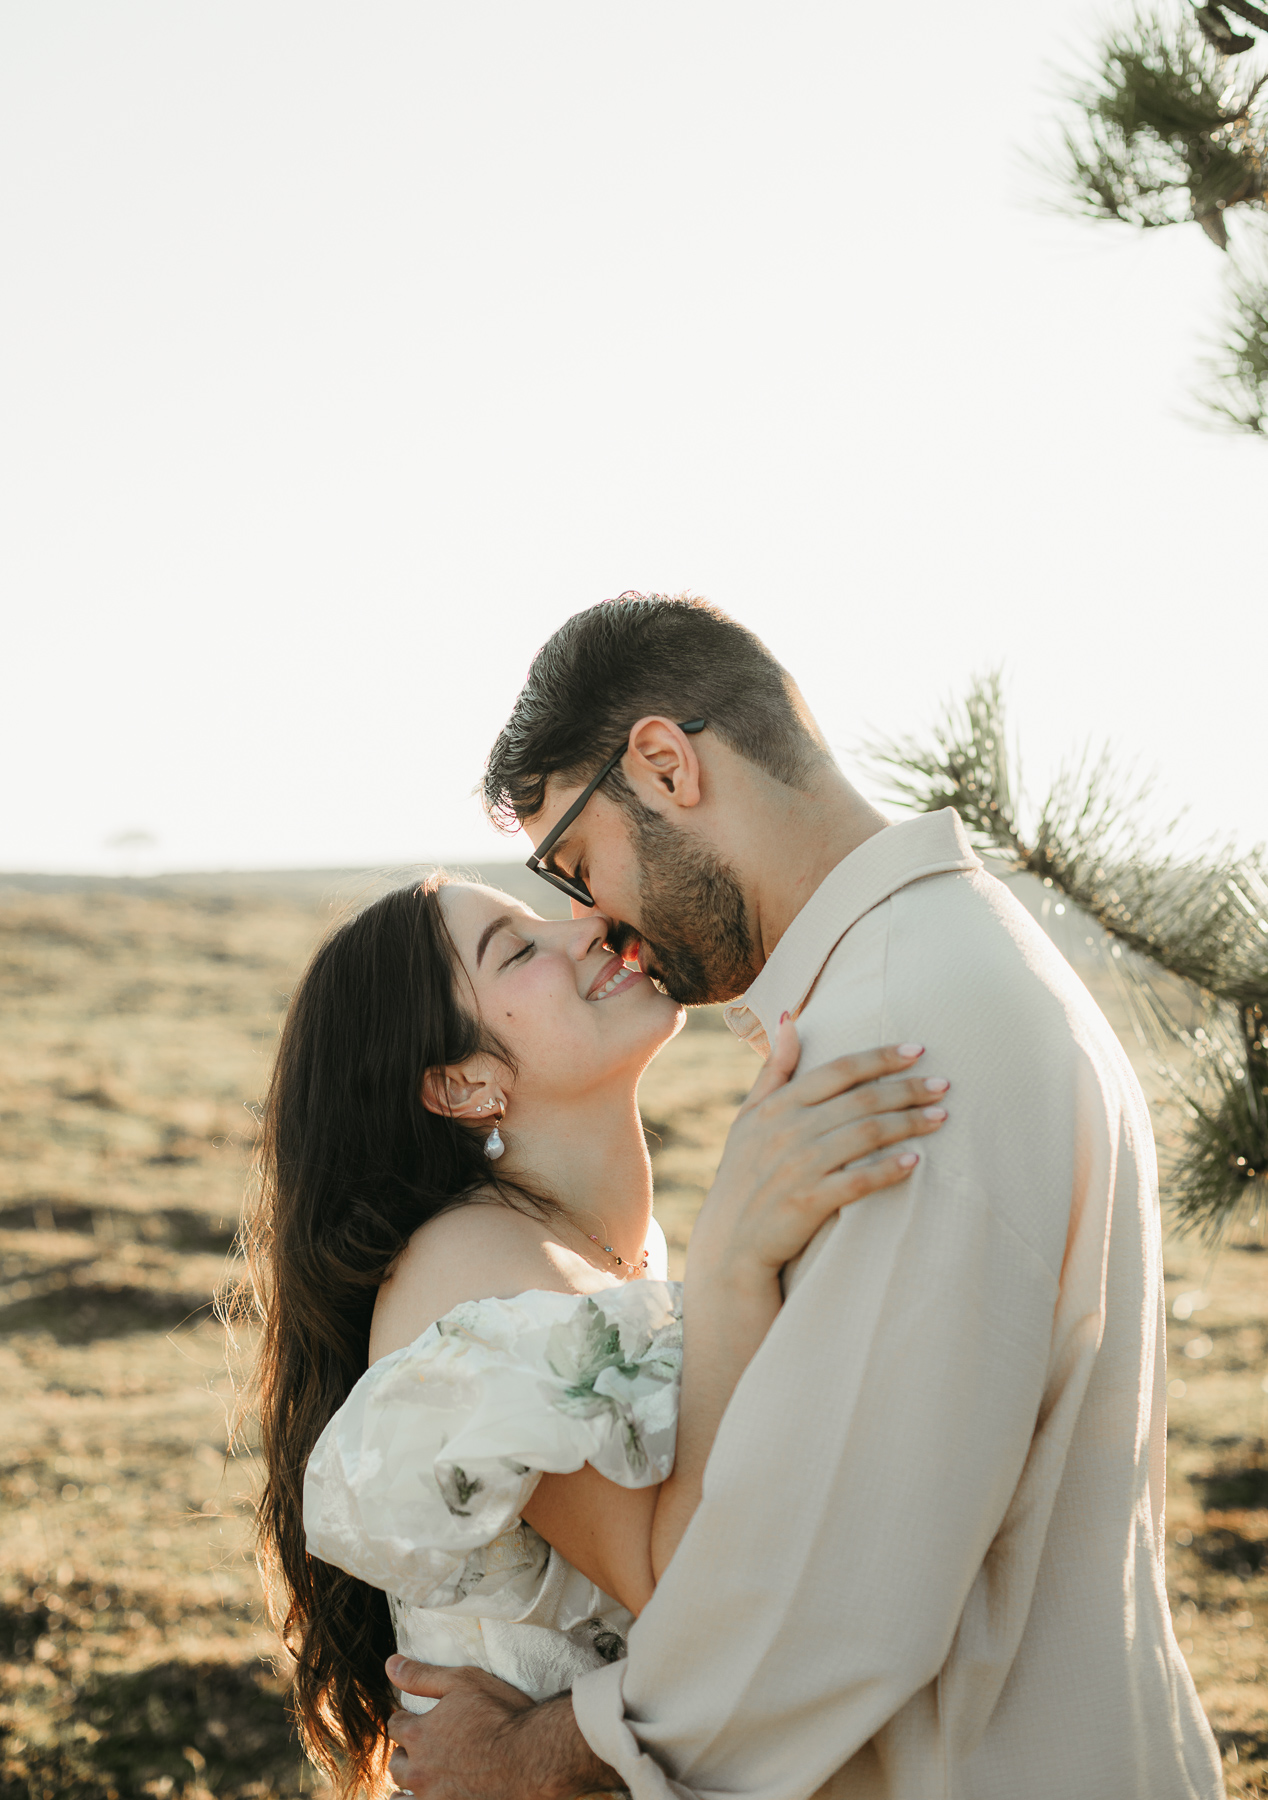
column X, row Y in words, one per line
column 469, row 1345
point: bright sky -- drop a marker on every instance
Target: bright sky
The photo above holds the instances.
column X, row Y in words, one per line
column 346, row 350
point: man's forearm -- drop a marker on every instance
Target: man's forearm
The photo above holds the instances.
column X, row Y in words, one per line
column 556, row 1760
column 488, row 1741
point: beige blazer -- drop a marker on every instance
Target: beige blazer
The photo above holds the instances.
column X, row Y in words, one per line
column 928, row 1563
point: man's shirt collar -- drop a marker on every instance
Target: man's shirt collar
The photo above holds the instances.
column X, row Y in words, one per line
column 931, row 844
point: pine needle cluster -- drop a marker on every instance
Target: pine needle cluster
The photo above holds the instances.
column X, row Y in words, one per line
column 1172, row 126
column 1238, row 393
column 1166, row 133
column 1202, row 920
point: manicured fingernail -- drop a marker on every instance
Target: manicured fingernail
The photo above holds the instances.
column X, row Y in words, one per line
column 935, row 1112
column 936, row 1084
column 911, row 1050
column 782, row 1017
column 908, row 1160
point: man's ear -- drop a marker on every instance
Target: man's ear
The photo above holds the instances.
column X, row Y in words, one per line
column 461, row 1092
column 663, row 759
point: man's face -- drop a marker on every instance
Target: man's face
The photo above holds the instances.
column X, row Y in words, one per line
column 668, row 891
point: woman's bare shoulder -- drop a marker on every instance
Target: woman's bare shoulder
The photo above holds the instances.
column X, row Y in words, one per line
column 476, row 1251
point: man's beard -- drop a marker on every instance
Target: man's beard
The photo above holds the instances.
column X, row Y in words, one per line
column 694, row 923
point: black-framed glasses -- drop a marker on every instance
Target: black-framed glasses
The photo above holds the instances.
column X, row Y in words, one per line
column 572, row 885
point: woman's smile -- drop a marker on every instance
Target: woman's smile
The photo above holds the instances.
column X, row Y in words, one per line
column 528, row 977
column 613, row 978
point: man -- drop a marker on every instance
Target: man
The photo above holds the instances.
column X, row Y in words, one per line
column 928, row 1562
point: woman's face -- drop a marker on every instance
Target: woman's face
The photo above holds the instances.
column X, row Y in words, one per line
column 570, row 1012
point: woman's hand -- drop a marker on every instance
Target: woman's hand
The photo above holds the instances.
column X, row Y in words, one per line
column 793, row 1156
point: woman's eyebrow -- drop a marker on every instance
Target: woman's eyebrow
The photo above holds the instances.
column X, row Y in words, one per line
column 490, row 931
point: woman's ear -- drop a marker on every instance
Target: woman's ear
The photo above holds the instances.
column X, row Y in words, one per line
column 436, row 1092
column 460, row 1092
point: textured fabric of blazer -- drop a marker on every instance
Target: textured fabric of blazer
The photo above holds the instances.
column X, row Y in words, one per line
column 928, row 1562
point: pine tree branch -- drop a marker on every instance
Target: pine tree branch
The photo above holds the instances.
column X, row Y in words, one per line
column 1238, row 390
column 1162, row 138
column 1202, row 920
column 1188, row 917
column 1220, row 1174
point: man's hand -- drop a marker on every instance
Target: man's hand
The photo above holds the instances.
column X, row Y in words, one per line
column 487, row 1741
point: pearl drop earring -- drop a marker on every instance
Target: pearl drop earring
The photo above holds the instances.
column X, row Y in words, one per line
column 493, row 1144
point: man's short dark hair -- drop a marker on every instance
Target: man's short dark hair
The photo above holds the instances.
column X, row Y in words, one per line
column 619, row 661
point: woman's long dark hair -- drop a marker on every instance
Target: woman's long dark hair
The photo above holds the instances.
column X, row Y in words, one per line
column 351, row 1164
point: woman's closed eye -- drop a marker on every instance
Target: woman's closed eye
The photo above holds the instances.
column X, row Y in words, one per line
column 519, row 955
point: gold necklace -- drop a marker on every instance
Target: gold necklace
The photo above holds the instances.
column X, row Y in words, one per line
column 621, row 1263
column 632, row 1268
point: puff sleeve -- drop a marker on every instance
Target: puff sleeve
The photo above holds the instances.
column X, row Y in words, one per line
column 439, row 1446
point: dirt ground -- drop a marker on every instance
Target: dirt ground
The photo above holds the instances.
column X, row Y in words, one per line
column 139, row 1020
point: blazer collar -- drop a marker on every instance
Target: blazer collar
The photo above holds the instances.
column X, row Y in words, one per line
column 930, row 844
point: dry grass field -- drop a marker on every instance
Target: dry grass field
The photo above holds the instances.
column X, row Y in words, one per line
column 138, row 1022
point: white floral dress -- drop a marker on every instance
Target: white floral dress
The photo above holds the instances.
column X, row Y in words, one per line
column 418, row 1482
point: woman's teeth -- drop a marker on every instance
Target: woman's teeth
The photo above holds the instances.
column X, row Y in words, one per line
column 622, row 975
